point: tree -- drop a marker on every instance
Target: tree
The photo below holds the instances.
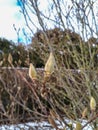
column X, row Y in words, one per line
column 68, row 90
column 79, row 16
column 62, row 22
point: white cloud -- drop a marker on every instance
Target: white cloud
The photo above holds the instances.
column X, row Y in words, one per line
column 7, row 2
column 9, row 15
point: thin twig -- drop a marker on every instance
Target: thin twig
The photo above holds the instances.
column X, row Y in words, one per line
column 91, row 120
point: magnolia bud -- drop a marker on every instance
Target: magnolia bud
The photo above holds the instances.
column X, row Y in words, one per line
column 50, row 65
column 32, row 72
column 78, row 126
column 92, row 104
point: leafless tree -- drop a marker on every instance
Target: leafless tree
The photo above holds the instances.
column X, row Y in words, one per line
column 77, row 15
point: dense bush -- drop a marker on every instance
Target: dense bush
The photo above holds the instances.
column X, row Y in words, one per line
column 66, row 93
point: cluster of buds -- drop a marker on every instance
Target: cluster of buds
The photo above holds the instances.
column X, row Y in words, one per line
column 49, row 68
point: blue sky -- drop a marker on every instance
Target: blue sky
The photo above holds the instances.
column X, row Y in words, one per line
column 9, row 15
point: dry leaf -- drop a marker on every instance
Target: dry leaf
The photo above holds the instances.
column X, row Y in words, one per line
column 10, row 58
column 52, row 122
column 84, row 113
column 53, row 114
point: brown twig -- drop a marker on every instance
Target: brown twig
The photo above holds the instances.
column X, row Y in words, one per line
column 31, row 88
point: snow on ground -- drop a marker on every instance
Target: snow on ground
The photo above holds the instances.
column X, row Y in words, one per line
column 34, row 126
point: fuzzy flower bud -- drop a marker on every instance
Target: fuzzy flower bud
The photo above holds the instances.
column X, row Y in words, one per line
column 78, row 126
column 50, row 65
column 32, row 72
column 92, row 104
